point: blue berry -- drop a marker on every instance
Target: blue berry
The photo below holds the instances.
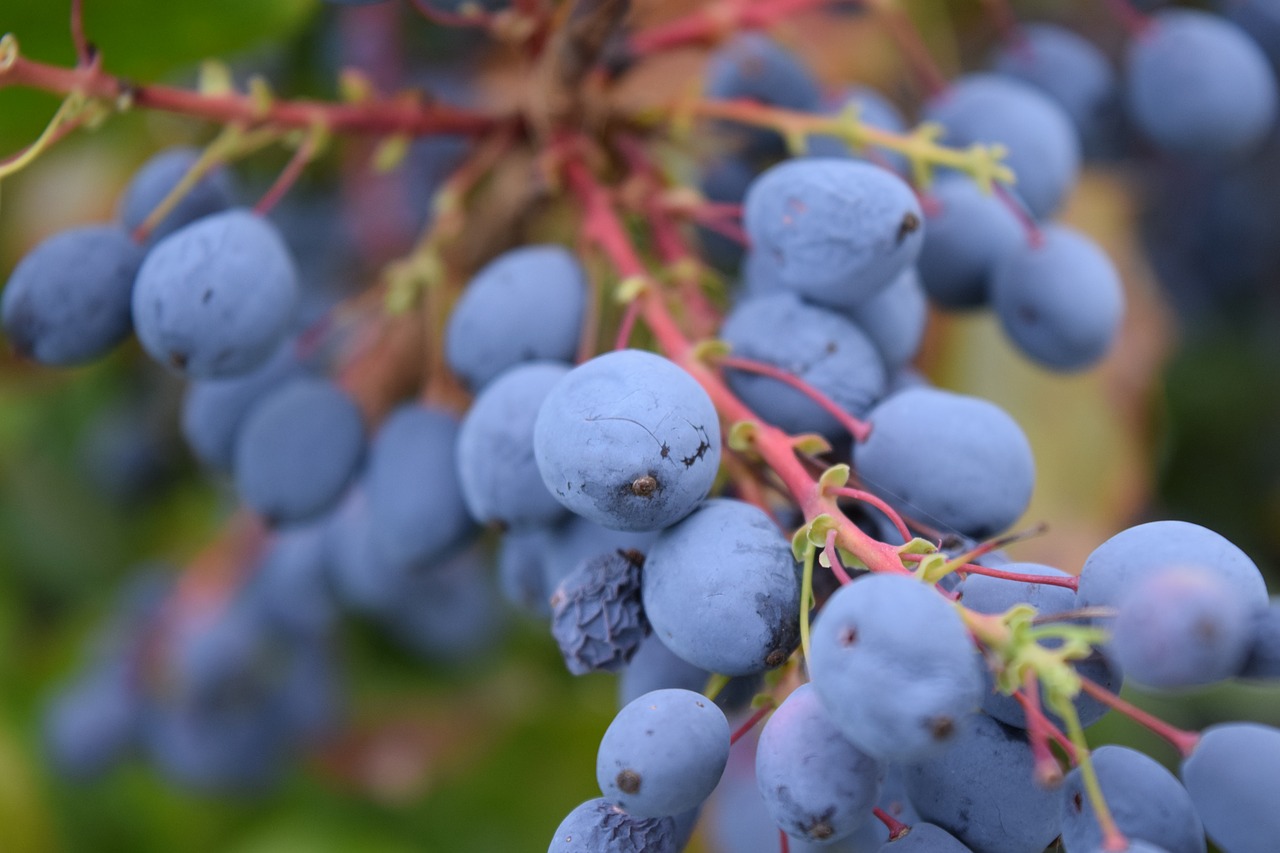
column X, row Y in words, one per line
column 1117, row 565
column 894, row 319
column 952, row 461
column 1042, row 145
column 600, row 826
column 815, row 784
column 737, row 614
column 1181, row 627
column 838, row 230
column 525, row 305
column 597, row 616
column 298, row 451
column 215, row 299
column 1147, row 802
column 68, row 300
column 1070, row 69
column 968, row 233
column 416, row 509
column 979, row 789
column 818, row 346
column 1059, row 299
column 663, row 753
column 894, row 666
column 213, row 193
column 1264, row 647
column 1232, row 777
column 497, row 466
column 213, row 410
column 1196, row 84
column 628, row 440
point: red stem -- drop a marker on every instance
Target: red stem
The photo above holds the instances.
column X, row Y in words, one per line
column 1035, row 238
column 1000, row 13
column 896, row 828
column 629, row 317
column 602, row 225
column 1070, row 582
column 903, row 31
column 868, row 498
column 833, row 557
column 712, row 222
column 751, row 723
column 670, row 243
column 482, row 20
column 1135, row 22
column 84, row 51
column 783, row 844
column 379, row 117
column 1048, row 772
column 714, row 22
column 1182, row 740
column 860, row 430
column 288, row 176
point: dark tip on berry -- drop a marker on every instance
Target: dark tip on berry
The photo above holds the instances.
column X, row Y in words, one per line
column 909, row 225
column 643, row 487
column 821, row 831
column 629, row 782
column 1077, row 802
column 179, row 359
column 777, row 657
column 632, row 556
column 942, row 728
column 848, row 636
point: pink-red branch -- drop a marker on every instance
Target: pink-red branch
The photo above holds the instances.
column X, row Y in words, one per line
column 670, row 243
column 1000, row 13
column 628, row 324
column 867, row 498
column 1182, row 740
column 1029, row 225
column 1047, row 771
column 84, row 51
column 718, row 20
column 752, row 721
column 1135, row 22
column 481, row 19
column 860, row 430
column 903, row 31
column 833, row 557
column 288, row 176
column 896, row 828
column 378, row 118
column 1070, row 582
column 605, row 229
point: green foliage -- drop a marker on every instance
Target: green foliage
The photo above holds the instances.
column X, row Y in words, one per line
column 139, row 39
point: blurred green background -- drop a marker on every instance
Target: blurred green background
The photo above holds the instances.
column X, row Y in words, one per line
column 488, row 757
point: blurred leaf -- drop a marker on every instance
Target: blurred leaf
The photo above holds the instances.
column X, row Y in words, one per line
column 143, row 40
column 23, row 815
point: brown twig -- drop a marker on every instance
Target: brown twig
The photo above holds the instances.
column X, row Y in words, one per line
column 376, row 117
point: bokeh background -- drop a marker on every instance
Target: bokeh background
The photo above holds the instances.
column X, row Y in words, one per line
column 487, row 754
